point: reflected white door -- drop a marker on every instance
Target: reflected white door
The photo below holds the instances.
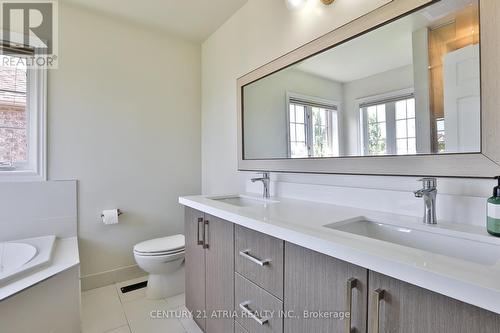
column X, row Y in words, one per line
column 462, row 102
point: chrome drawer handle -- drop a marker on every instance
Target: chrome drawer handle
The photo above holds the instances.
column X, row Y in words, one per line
column 205, row 234
column 246, row 254
column 351, row 284
column 200, row 223
column 378, row 296
column 252, row 314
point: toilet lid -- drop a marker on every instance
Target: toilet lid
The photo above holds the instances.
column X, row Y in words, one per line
column 162, row 245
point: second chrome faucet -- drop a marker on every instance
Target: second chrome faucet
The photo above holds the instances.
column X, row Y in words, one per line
column 428, row 193
column 265, row 179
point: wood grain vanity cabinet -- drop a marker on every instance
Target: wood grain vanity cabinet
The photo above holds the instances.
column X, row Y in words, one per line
column 258, row 281
column 396, row 306
column 209, row 270
column 317, row 283
column 272, row 275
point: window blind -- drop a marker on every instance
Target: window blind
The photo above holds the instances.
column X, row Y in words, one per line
column 13, row 83
column 15, row 50
column 387, row 100
column 313, row 104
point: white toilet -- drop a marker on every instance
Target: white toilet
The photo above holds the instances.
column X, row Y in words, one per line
column 163, row 259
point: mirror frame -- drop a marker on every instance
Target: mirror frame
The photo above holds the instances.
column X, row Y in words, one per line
column 485, row 164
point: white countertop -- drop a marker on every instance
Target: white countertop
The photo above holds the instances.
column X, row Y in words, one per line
column 65, row 256
column 302, row 223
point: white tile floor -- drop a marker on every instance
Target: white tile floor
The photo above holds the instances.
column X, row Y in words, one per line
column 107, row 310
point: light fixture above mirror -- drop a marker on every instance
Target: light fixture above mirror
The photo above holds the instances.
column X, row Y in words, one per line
column 298, row 4
column 295, row 4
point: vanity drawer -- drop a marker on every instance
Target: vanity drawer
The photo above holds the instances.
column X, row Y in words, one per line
column 259, row 258
column 258, row 311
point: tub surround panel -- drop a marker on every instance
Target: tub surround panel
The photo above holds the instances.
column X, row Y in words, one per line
column 35, row 209
column 302, row 223
column 53, row 306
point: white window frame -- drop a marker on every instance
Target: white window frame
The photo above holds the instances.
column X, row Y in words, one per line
column 391, row 148
column 36, row 107
column 309, row 139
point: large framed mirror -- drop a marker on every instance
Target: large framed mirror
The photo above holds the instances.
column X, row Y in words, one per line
column 404, row 90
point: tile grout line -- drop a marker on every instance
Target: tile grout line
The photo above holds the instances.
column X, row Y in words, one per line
column 107, row 331
column 123, row 308
column 178, row 307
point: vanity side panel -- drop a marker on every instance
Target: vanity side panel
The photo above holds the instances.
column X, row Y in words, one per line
column 194, row 267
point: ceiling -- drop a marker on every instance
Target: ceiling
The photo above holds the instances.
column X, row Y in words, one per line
column 191, row 19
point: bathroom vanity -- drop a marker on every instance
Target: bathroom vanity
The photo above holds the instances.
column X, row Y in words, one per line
column 283, row 265
column 409, row 89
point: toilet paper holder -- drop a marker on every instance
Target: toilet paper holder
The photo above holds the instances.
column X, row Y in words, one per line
column 119, row 213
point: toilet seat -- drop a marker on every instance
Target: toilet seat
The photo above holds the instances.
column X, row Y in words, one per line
column 158, row 254
column 171, row 245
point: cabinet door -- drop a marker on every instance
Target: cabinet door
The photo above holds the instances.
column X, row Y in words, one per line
column 319, row 284
column 396, row 306
column 195, row 265
column 219, row 265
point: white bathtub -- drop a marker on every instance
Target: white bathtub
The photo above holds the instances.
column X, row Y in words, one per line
column 22, row 256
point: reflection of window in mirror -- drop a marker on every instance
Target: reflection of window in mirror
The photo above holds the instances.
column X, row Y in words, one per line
column 389, row 125
column 312, row 128
column 411, row 79
column 440, row 132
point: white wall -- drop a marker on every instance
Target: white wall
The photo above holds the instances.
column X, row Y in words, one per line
column 124, row 120
column 265, row 102
column 259, row 32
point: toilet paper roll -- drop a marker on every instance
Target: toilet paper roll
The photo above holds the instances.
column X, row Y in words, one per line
column 110, row 216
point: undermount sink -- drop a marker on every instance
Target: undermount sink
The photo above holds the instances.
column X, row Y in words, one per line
column 244, row 201
column 436, row 243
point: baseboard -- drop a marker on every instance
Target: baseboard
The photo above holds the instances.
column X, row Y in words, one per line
column 106, row 278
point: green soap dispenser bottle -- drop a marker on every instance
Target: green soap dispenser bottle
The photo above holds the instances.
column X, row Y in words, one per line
column 494, row 211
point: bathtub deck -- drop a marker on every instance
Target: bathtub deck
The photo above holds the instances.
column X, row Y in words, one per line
column 65, row 256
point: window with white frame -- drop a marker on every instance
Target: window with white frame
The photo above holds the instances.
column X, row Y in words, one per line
column 441, row 135
column 389, row 126
column 22, row 116
column 312, row 128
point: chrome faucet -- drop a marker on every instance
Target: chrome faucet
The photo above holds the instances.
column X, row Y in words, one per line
column 265, row 179
column 428, row 192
